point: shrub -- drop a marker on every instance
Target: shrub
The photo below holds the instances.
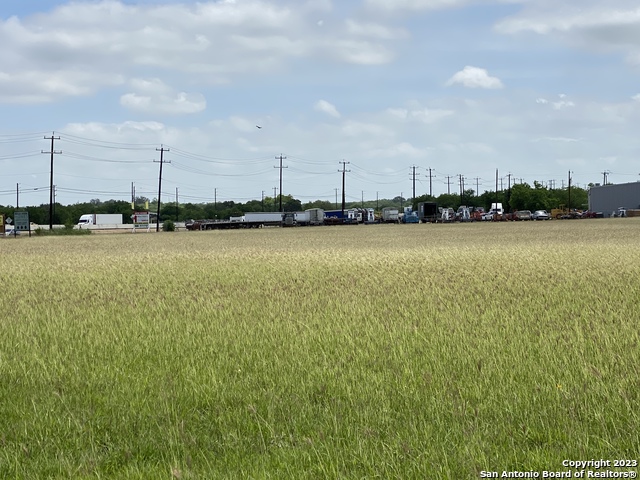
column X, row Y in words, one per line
column 168, row 226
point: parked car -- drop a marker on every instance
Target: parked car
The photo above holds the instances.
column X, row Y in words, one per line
column 522, row 215
column 590, row 214
column 540, row 215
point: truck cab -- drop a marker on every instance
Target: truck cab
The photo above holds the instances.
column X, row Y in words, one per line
column 86, row 219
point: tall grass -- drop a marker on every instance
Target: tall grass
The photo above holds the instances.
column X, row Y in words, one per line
column 401, row 351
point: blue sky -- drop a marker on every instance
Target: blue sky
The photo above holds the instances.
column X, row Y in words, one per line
column 534, row 88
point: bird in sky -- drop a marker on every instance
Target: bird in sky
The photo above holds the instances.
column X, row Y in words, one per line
column 258, row 126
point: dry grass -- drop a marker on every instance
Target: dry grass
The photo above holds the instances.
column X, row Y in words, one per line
column 397, row 351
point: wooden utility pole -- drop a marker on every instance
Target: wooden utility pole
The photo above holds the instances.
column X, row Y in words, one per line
column 344, row 171
column 281, row 167
column 162, row 161
column 52, row 152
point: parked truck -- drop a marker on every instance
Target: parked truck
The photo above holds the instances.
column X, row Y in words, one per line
column 390, row 215
column 428, row 212
column 100, row 219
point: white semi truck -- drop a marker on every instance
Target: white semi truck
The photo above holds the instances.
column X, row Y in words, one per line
column 100, row 219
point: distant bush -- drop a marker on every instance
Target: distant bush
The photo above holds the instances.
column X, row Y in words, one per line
column 168, row 226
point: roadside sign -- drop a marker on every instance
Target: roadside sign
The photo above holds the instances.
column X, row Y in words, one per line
column 22, row 221
column 140, row 220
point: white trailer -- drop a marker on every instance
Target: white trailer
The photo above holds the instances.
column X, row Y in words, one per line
column 390, row 215
column 316, row 216
column 104, row 220
column 262, row 217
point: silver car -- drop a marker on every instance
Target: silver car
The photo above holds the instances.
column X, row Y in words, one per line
column 540, row 215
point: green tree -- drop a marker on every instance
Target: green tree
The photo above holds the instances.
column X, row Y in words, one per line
column 324, row 204
column 520, row 198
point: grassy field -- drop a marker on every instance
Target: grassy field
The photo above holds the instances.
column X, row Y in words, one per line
column 391, row 351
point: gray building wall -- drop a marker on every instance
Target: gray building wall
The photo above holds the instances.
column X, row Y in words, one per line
column 607, row 198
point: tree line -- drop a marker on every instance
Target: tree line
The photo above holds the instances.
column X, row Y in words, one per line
column 518, row 197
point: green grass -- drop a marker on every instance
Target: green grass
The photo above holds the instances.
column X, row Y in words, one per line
column 399, row 351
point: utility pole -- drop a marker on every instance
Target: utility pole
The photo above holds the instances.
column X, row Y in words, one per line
column 569, row 183
column 275, row 189
column 17, row 196
column 509, row 192
column 604, row 179
column 162, row 161
column 377, row 202
column 281, row 167
column 177, row 208
column 263, row 200
column 431, row 182
column 461, row 188
column 133, row 197
column 414, row 180
column 496, row 186
column 215, row 202
column 448, row 185
column 477, row 179
column 362, row 199
column 344, row 171
column 52, row 152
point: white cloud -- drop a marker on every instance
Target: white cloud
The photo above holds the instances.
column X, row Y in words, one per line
column 559, row 105
column 78, row 48
column 401, row 6
column 563, row 104
column 567, row 15
column 181, row 103
column 636, row 97
column 374, row 30
column 424, row 115
column 153, row 96
column 592, row 24
column 328, row 108
column 33, row 86
column 474, row 77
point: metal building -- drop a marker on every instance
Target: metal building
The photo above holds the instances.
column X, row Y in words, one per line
column 608, row 198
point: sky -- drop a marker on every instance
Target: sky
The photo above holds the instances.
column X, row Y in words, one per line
column 458, row 89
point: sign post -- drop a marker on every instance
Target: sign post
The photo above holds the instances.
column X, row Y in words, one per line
column 2, row 224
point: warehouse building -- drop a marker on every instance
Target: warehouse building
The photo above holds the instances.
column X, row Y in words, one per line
column 608, row 198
